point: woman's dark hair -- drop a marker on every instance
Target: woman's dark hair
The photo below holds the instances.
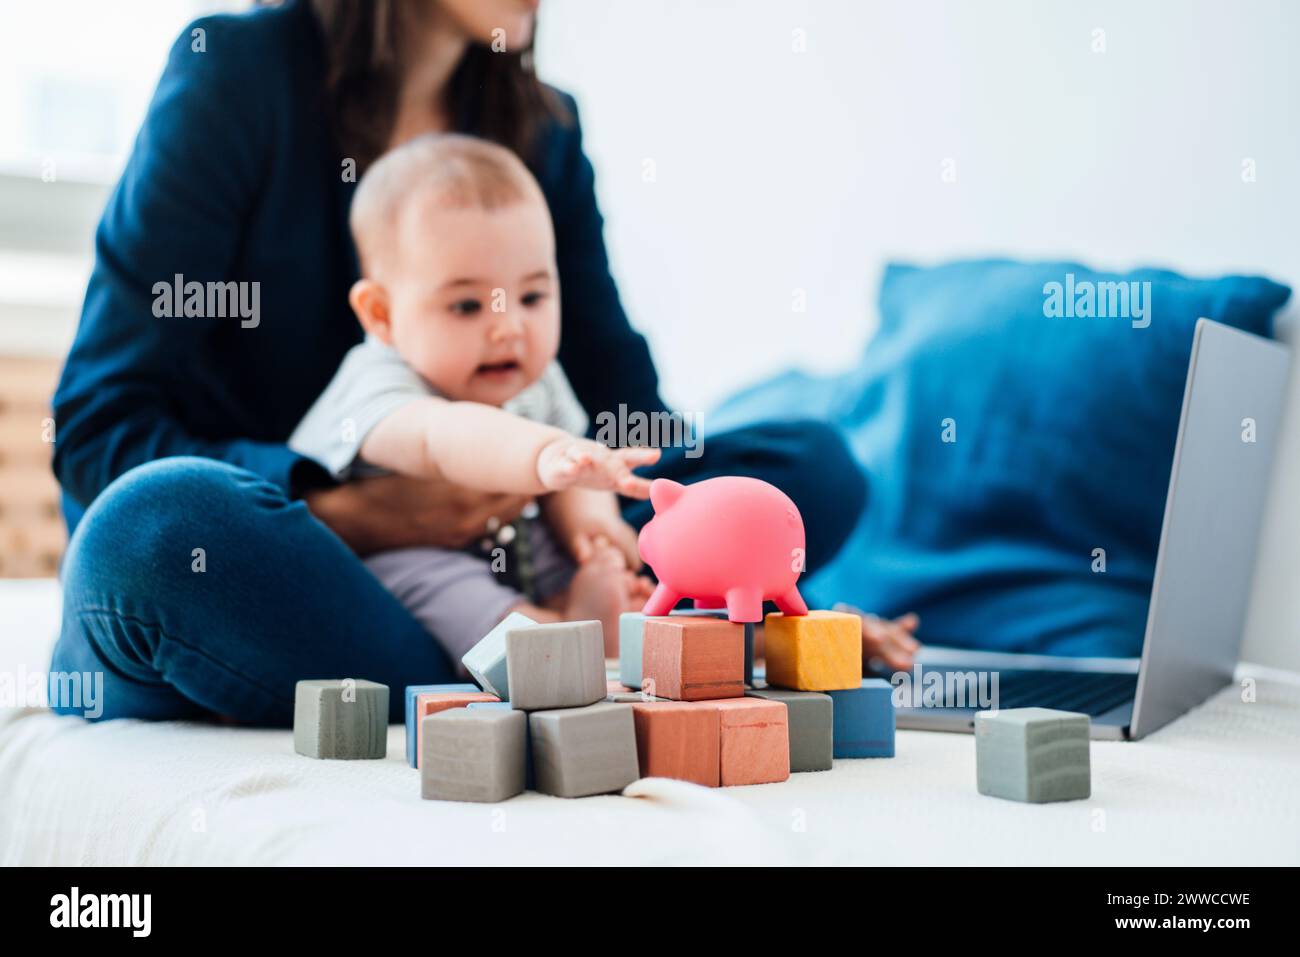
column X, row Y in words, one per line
column 493, row 95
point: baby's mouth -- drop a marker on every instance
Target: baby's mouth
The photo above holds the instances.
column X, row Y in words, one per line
column 493, row 370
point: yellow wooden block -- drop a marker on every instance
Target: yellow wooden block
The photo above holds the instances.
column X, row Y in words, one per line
column 819, row 651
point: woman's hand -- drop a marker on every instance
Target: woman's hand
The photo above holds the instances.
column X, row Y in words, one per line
column 888, row 641
column 393, row 511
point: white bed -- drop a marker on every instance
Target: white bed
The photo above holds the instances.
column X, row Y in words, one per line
column 1216, row 787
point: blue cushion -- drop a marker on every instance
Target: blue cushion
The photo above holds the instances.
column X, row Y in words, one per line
column 1064, row 436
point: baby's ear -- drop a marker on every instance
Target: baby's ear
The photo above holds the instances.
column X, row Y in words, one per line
column 369, row 301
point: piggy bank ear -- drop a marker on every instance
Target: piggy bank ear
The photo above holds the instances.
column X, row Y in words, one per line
column 664, row 492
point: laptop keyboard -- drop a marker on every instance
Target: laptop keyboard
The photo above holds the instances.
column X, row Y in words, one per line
column 1086, row 692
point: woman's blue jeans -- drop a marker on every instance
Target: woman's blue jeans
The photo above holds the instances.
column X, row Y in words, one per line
column 198, row 588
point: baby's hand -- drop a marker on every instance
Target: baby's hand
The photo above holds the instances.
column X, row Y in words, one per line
column 567, row 462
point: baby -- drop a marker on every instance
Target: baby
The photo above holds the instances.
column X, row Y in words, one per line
column 457, row 380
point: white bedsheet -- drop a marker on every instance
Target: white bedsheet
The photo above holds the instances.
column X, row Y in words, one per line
column 1219, row 786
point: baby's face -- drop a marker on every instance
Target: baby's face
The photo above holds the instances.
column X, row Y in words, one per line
column 474, row 298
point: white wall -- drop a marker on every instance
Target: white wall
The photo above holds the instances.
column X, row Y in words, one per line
column 777, row 170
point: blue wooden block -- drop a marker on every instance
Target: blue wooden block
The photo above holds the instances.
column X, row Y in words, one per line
column 529, row 782
column 722, row 613
column 486, row 661
column 411, row 692
column 864, row 720
column 631, row 626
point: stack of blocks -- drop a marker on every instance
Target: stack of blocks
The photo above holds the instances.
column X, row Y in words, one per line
column 552, row 727
column 821, row 652
column 424, row 700
column 813, row 708
column 704, row 729
column 547, row 718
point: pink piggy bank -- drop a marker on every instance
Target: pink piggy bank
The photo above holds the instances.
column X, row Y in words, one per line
column 729, row 541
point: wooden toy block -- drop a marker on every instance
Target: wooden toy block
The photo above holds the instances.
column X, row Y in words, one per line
column 693, row 658
column 749, row 634
column 1033, row 754
column 630, row 627
column 749, row 654
column 864, row 720
column 342, row 719
column 810, row 716
column 529, row 780
column 486, row 661
column 819, row 651
column 618, row 692
column 557, row 665
column 473, row 755
column 678, row 739
column 631, row 697
column 412, row 728
column 581, row 751
column 753, row 741
column 432, row 702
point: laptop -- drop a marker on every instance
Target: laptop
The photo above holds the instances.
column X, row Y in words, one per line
column 1213, row 512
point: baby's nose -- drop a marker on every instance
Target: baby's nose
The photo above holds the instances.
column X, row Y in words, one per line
column 507, row 326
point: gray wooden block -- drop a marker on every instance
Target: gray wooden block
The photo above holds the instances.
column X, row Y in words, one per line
column 473, row 754
column 558, row 665
column 811, row 721
column 486, row 661
column 344, row 718
column 581, row 751
column 631, row 628
column 1032, row 754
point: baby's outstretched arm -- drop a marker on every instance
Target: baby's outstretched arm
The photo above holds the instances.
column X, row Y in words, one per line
column 570, row 462
column 484, row 447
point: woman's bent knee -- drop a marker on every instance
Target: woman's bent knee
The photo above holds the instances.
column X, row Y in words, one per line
column 161, row 514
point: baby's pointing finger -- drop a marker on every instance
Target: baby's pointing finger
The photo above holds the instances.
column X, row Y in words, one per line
column 636, row 457
column 633, row 486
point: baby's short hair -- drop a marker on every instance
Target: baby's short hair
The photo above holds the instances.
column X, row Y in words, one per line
column 457, row 171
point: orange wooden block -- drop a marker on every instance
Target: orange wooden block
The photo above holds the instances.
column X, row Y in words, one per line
column 754, row 741
column 431, row 702
column 819, row 651
column 678, row 739
column 693, row 659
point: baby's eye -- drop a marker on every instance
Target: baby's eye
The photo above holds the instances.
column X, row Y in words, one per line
column 533, row 298
column 466, row 307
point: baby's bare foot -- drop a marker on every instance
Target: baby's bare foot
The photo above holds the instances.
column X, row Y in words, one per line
column 599, row 592
column 602, row 589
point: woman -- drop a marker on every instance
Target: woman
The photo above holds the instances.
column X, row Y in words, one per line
column 211, row 567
